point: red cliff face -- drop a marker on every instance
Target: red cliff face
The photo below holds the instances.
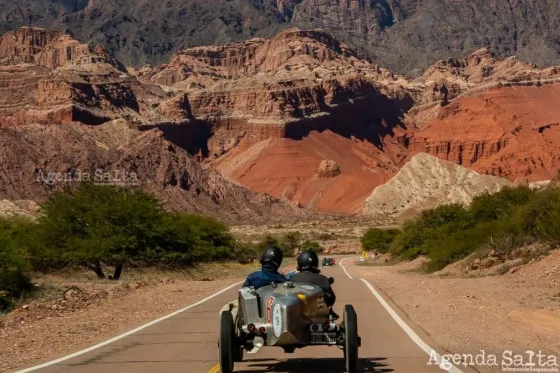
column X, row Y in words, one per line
column 298, row 116
column 48, row 77
column 509, row 131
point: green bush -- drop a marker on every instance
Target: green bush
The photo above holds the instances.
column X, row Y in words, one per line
column 14, row 281
column 510, row 218
column 499, row 205
column 540, row 218
column 246, row 253
column 291, row 242
column 379, row 239
column 312, row 246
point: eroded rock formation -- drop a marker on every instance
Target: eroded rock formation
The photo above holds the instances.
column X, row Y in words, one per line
column 425, row 182
column 48, row 77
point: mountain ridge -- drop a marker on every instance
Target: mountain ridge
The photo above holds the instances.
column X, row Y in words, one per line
column 405, row 36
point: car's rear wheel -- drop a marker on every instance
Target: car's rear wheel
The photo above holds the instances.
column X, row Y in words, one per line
column 350, row 339
column 226, row 343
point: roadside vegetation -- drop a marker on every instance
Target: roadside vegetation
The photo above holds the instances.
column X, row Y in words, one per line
column 504, row 221
column 109, row 229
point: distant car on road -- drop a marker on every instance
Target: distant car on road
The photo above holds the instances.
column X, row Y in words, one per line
column 328, row 262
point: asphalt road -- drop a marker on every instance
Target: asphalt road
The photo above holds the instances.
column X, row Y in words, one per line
column 187, row 343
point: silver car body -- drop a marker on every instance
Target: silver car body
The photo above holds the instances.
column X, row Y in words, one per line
column 292, row 314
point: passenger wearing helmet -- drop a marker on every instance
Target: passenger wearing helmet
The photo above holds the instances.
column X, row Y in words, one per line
column 308, row 271
column 271, row 261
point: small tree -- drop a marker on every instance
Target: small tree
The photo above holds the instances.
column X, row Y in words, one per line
column 94, row 224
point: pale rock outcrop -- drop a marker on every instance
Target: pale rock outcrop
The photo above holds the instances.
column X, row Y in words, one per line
column 426, row 182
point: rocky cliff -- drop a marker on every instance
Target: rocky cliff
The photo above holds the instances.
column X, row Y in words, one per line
column 405, row 36
column 39, row 158
column 68, row 110
column 300, row 117
column 48, row 77
column 287, row 86
column 506, row 131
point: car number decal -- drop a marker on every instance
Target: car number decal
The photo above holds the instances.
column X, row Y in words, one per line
column 277, row 320
column 269, row 309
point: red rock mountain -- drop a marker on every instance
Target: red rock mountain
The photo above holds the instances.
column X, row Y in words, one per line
column 298, row 116
column 68, row 110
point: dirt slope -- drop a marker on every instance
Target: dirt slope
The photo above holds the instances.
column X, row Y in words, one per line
column 29, row 155
column 299, row 170
column 426, row 182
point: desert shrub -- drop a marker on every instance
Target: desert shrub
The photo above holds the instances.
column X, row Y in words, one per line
column 291, row 242
column 185, row 239
column 430, row 227
column 451, row 232
column 312, row 246
column 540, row 218
column 96, row 223
column 455, row 244
column 501, row 204
column 13, row 261
column 246, row 253
column 379, row 239
column 442, row 215
column 280, row 242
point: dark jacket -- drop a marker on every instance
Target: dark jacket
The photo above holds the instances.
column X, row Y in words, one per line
column 319, row 280
column 264, row 277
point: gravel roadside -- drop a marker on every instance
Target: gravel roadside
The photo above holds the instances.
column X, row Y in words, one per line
column 43, row 331
column 517, row 312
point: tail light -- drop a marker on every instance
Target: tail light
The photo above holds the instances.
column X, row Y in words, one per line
column 262, row 330
column 251, row 328
column 315, row 327
column 326, row 326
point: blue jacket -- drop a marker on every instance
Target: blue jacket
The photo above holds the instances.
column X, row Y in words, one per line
column 264, row 277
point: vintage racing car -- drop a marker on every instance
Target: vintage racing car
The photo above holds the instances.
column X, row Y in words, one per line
column 288, row 315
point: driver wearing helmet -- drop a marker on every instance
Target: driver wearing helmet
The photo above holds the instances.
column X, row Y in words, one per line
column 308, row 271
column 271, row 261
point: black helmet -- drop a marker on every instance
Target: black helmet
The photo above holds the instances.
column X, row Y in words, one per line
column 272, row 255
column 308, row 260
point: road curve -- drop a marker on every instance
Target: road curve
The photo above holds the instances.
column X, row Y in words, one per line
column 187, row 343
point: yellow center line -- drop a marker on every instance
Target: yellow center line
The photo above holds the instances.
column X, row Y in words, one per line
column 215, row 369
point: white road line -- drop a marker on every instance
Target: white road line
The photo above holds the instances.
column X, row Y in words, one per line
column 344, row 268
column 415, row 338
column 127, row 333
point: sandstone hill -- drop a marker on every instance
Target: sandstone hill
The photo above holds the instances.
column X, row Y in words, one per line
column 291, row 104
column 426, row 182
column 405, row 36
column 299, row 117
column 301, row 99
column 510, row 132
column 71, row 109
column 39, row 158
